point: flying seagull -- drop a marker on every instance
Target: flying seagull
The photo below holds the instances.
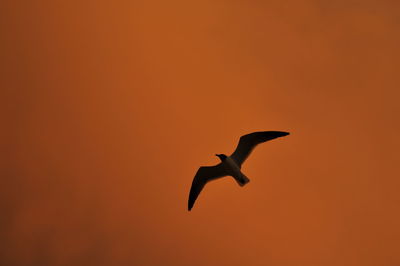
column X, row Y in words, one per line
column 230, row 165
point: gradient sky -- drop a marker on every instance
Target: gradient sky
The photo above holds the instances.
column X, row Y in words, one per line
column 109, row 108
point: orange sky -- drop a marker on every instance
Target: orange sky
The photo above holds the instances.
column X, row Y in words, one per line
column 109, row 108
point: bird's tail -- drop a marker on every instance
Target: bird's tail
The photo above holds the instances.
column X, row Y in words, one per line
column 242, row 180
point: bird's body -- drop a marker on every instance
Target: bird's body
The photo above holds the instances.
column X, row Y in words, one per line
column 230, row 165
column 233, row 170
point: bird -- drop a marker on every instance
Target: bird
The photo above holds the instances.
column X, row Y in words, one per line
column 230, row 165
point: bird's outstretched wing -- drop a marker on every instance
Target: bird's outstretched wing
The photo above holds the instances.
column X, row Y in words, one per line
column 204, row 175
column 248, row 142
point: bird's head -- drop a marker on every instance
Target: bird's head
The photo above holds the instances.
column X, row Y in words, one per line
column 222, row 157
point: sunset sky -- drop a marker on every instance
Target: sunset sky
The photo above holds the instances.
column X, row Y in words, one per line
column 110, row 107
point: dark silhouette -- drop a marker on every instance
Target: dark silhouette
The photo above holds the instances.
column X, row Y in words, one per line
column 230, row 166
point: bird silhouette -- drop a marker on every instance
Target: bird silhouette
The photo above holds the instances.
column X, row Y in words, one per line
column 230, row 165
